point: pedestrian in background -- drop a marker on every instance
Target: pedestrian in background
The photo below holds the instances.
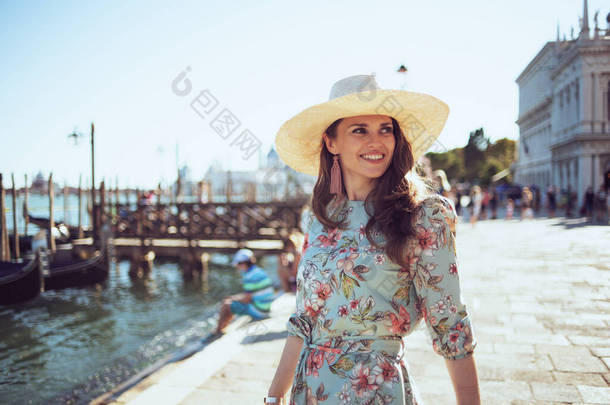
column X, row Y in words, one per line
column 589, row 202
column 476, row 198
column 493, row 203
column 257, row 296
column 288, row 262
column 510, row 208
column 551, row 197
column 601, row 205
column 526, row 203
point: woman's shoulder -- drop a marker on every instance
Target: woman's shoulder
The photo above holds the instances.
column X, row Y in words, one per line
column 307, row 219
column 436, row 209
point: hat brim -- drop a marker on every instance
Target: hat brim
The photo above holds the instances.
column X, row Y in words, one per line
column 420, row 116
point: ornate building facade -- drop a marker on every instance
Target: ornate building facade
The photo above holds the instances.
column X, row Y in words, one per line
column 564, row 113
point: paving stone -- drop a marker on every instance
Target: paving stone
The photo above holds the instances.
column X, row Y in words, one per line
column 490, row 373
column 538, row 338
column 584, row 340
column 580, row 378
column 496, row 392
column 563, row 350
column 555, row 392
column 203, row 396
column 595, row 395
column 535, row 362
column 583, row 364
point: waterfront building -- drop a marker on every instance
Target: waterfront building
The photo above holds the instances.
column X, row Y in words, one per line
column 564, row 112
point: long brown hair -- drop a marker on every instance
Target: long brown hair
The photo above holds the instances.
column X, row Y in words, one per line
column 395, row 197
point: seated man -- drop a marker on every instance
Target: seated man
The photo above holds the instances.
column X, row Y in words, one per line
column 257, row 296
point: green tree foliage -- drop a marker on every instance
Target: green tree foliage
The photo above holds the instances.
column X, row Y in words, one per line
column 476, row 162
column 474, row 153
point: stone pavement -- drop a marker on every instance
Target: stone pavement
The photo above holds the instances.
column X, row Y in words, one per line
column 539, row 294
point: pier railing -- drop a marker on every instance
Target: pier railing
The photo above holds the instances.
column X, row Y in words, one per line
column 217, row 221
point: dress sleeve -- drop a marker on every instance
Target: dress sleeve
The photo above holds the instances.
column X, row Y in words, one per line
column 299, row 323
column 437, row 283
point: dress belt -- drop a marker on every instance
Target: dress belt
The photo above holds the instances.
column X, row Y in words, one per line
column 338, row 350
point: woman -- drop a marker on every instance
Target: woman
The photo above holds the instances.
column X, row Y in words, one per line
column 477, row 202
column 358, row 295
column 527, row 199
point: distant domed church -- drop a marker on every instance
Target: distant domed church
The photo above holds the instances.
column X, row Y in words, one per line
column 564, row 113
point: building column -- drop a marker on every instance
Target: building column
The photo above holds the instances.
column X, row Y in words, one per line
column 594, row 172
column 584, row 176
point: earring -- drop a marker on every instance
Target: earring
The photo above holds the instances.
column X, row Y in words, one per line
column 335, row 177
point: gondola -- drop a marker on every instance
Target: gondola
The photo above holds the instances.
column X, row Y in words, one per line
column 66, row 271
column 64, row 233
column 20, row 282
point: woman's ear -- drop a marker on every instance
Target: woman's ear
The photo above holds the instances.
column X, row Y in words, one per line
column 330, row 144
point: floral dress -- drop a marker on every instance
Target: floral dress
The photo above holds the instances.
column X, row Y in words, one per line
column 354, row 306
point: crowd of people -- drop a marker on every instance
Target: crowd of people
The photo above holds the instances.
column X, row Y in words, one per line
column 523, row 202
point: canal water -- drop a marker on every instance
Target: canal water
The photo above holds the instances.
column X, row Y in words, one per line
column 70, row 346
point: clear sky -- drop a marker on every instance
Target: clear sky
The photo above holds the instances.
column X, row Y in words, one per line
column 66, row 64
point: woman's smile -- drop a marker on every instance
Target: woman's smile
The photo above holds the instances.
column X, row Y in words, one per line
column 374, row 158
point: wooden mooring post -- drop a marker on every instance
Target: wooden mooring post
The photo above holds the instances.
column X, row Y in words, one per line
column 5, row 254
column 15, row 229
column 102, row 204
column 51, row 218
column 80, row 206
column 26, row 219
column 116, row 199
column 65, row 201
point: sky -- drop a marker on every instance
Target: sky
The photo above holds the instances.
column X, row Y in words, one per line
column 64, row 65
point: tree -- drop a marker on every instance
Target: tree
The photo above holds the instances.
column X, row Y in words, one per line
column 478, row 161
column 474, row 153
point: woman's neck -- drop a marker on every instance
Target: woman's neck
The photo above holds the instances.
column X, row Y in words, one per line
column 358, row 190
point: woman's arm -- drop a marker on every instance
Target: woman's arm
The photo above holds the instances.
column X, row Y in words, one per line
column 285, row 370
column 463, row 373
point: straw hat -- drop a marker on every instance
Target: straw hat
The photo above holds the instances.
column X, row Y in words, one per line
column 420, row 116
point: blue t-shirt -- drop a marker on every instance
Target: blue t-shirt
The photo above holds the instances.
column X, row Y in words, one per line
column 258, row 283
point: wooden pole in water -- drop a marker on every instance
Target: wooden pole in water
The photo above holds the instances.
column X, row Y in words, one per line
column 15, row 230
column 4, row 251
column 80, row 205
column 102, row 202
column 93, row 206
column 65, row 203
column 89, row 208
column 116, row 197
column 26, row 219
column 51, row 220
column 205, row 258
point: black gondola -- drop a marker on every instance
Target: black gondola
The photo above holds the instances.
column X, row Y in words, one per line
column 20, row 282
column 66, row 271
column 65, row 232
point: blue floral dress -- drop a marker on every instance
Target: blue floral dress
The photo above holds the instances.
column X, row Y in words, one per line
column 354, row 306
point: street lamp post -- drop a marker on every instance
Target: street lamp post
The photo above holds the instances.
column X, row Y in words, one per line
column 94, row 211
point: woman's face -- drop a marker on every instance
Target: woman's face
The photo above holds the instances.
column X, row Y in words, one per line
column 365, row 145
